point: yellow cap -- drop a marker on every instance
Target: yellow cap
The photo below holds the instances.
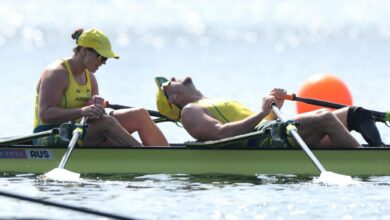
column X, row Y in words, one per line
column 98, row 41
column 163, row 106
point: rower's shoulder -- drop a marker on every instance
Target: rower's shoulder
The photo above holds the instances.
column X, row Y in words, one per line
column 191, row 111
column 191, row 107
column 55, row 69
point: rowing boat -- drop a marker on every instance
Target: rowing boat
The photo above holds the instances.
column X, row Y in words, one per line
column 194, row 160
column 226, row 156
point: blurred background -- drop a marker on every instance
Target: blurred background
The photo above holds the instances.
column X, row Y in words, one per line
column 234, row 49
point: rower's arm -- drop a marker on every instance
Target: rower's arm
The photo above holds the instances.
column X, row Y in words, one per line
column 202, row 126
column 53, row 83
column 52, row 86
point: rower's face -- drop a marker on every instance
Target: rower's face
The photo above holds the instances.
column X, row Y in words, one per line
column 93, row 60
column 177, row 87
column 182, row 82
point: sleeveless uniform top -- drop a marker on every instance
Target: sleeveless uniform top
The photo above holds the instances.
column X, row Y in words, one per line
column 75, row 96
column 225, row 110
column 228, row 111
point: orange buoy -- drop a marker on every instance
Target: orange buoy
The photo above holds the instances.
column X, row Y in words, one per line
column 325, row 87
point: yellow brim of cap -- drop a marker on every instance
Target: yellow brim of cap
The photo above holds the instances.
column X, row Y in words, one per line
column 107, row 53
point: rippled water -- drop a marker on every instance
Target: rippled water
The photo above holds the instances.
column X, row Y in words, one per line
column 201, row 197
column 236, row 49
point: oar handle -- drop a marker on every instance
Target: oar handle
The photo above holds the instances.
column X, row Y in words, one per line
column 290, row 97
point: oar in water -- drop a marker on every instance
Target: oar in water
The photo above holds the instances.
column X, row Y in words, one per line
column 379, row 116
column 326, row 177
column 64, row 206
column 59, row 173
column 161, row 118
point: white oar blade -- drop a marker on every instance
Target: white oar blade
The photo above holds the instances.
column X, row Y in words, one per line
column 331, row 178
column 61, row 175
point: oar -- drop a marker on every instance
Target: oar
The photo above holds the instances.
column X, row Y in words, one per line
column 325, row 176
column 161, row 118
column 59, row 173
column 53, row 131
column 64, row 206
column 64, row 131
column 116, row 107
column 379, row 116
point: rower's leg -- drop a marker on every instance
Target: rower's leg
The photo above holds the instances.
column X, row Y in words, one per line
column 322, row 124
column 138, row 120
column 362, row 121
column 106, row 131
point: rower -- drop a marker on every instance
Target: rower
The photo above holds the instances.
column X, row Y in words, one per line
column 205, row 118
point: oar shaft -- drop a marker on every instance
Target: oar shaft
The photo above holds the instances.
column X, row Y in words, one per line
column 293, row 97
column 29, row 137
column 300, row 141
column 72, row 143
column 379, row 116
column 160, row 117
column 64, row 206
column 116, row 107
column 309, row 153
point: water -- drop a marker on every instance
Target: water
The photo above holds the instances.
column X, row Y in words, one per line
column 202, row 197
column 235, row 49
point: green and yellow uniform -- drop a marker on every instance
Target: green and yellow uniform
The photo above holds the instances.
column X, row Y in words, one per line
column 76, row 96
column 274, row 134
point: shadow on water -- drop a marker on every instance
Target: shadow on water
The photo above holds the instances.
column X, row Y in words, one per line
column 216, row 180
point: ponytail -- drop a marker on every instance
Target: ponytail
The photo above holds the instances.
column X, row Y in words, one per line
column 75, row 36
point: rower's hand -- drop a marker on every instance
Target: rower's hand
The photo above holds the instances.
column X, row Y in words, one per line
column 267, row 102
column 94, row 111
column 279, row 95
column 96, row 100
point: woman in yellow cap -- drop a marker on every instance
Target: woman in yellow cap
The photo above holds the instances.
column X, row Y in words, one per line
column 67, row 90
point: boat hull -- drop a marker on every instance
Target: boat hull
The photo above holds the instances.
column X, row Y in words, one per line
column 196, row 160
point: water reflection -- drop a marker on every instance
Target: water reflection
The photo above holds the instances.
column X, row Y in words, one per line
column 199, row 196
